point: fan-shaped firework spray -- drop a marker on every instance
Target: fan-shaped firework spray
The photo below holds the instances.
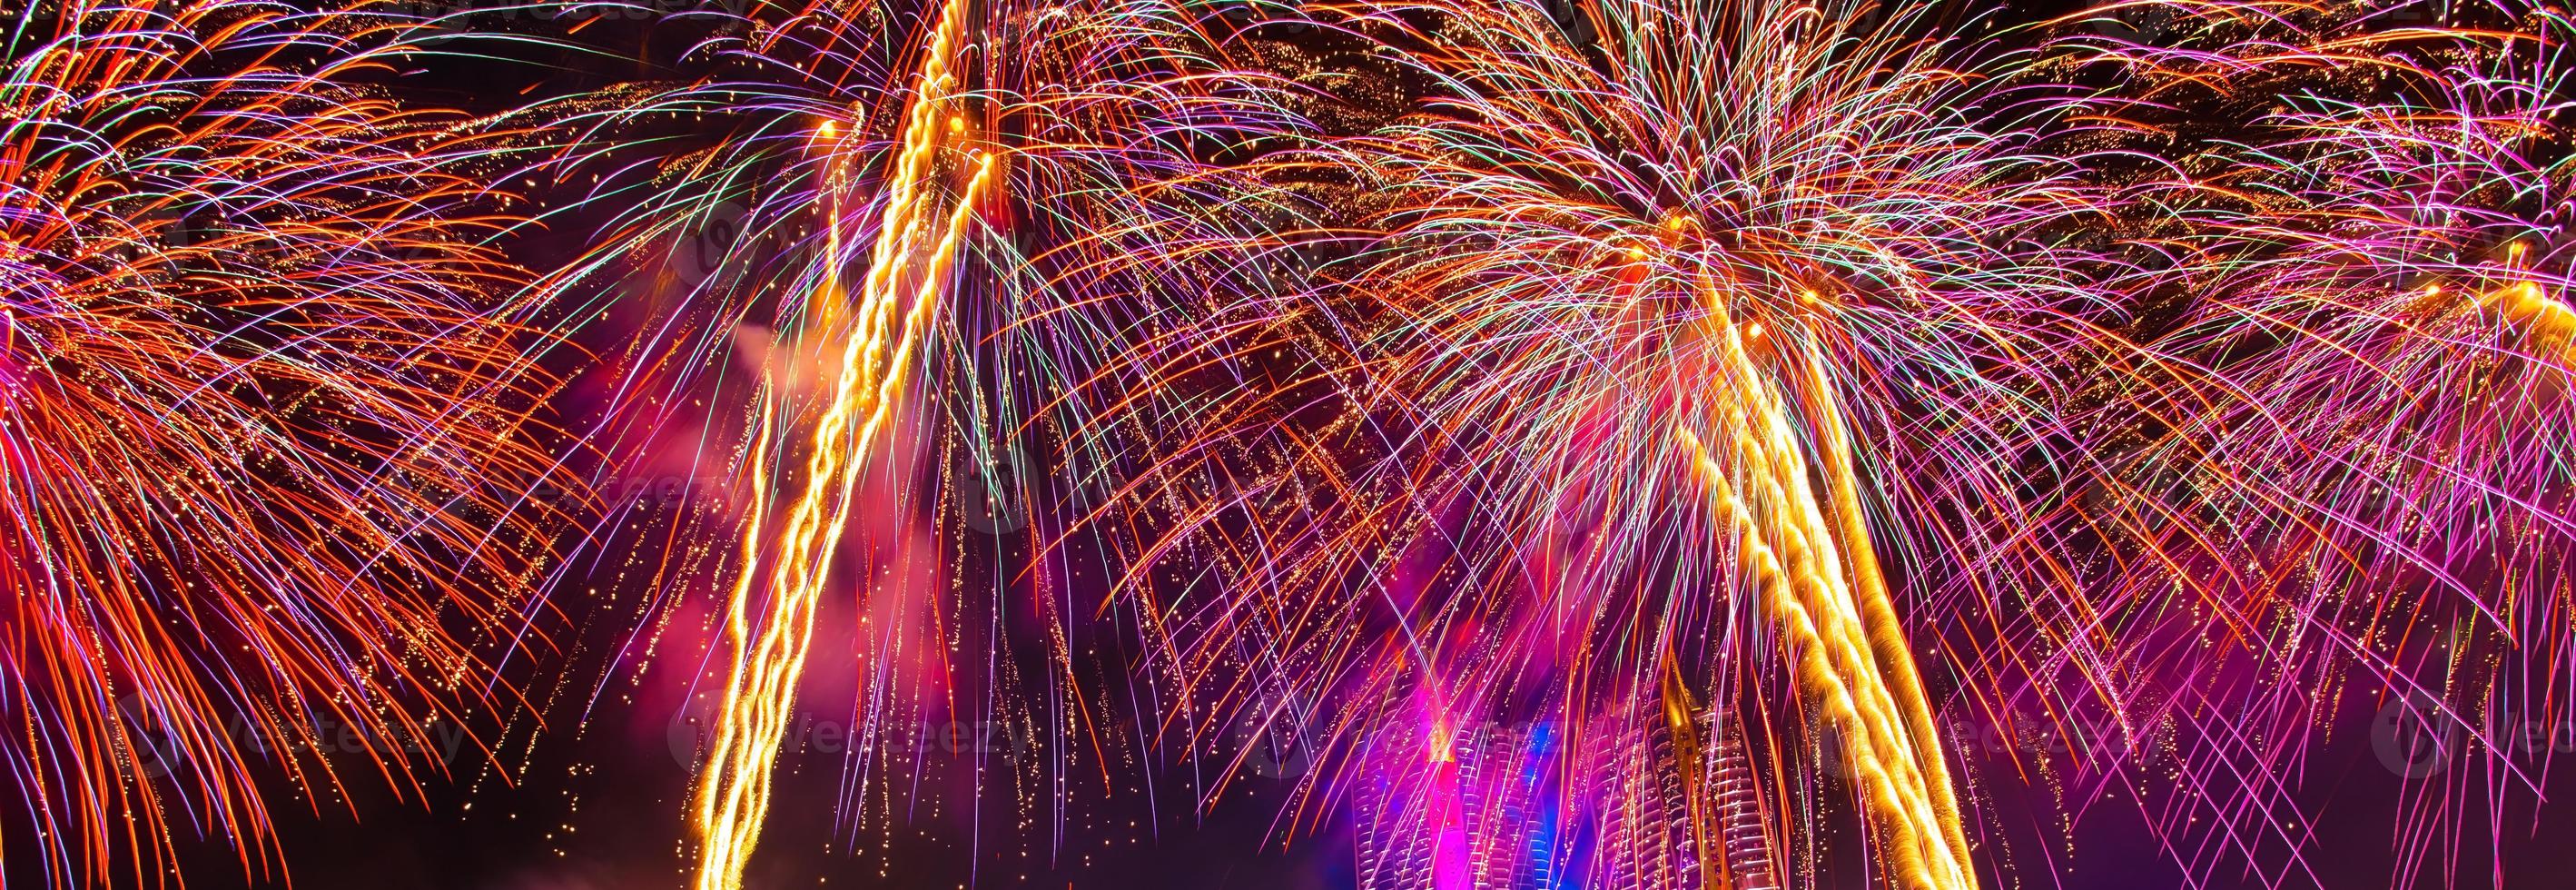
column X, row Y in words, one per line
column 265, row 425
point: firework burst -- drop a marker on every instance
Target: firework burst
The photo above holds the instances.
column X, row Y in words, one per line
column 1582, row 262
column 1650, row 324
column 264, row 422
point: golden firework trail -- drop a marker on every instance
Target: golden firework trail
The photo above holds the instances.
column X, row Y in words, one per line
column 916, row 245
column 1814, row 571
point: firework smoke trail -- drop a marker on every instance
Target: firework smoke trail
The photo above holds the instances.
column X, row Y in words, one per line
column 915, row 248
column 266, row 424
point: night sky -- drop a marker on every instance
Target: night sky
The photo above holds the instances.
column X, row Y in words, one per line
column 584, row 787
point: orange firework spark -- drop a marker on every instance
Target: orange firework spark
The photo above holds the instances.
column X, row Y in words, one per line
column 265, row 427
